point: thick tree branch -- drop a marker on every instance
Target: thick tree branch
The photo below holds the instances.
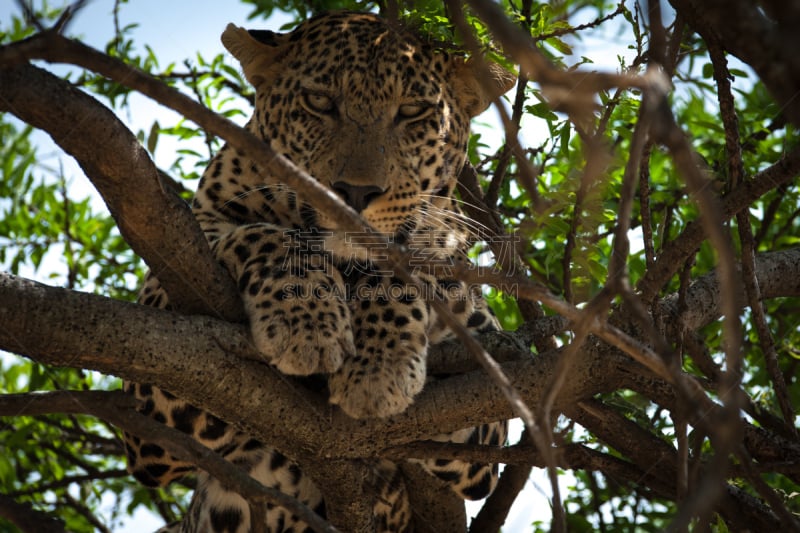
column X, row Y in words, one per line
column 769, row 46
column 775, row 272
column 195, row 342
column 52, row 325
column 158, row 346
column 150, row 218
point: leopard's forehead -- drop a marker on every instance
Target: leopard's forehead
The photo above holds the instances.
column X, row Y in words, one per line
column 347, row 33
column 363, row 56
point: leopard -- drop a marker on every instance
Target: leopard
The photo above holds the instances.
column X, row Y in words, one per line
column 380, row 117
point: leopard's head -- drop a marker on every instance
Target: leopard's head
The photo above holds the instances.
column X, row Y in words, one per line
column 371, row 111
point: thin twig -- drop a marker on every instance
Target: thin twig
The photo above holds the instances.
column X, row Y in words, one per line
column 788, row 521
column 580, row 27
column 736, row 173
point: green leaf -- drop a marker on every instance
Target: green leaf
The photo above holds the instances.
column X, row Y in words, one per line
column 566, row 131
column 152, row 139
column 542, row 110
column 560, row 45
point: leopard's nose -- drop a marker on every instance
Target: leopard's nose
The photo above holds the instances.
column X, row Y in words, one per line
column 357, row 196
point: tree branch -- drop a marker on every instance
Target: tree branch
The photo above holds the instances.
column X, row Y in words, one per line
column 775, row 272
column 196, row 342
column 56, row 48
column 674, row 254
column 118, row 409
column 150, row 218
column 157, row 347
column 766, row 45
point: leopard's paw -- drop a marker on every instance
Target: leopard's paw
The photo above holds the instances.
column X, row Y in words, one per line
column 304, row 338
column 366, row 387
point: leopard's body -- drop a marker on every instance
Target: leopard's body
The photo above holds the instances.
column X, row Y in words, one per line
column 382, row 119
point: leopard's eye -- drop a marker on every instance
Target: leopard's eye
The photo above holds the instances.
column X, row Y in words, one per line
column 318, row 102
column 413, row 111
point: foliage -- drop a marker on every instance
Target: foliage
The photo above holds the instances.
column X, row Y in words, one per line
column 53, row 228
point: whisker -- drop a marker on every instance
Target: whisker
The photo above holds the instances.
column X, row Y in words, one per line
column 438, row 214
column 460, row 201
column 276, row 187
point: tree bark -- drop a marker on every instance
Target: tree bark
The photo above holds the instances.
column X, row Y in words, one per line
column 209, row 362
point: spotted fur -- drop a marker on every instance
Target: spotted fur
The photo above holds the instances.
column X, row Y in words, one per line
column 380, row 118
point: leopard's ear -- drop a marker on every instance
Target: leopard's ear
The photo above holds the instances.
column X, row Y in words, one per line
column 258, row 51
column 475, row 94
